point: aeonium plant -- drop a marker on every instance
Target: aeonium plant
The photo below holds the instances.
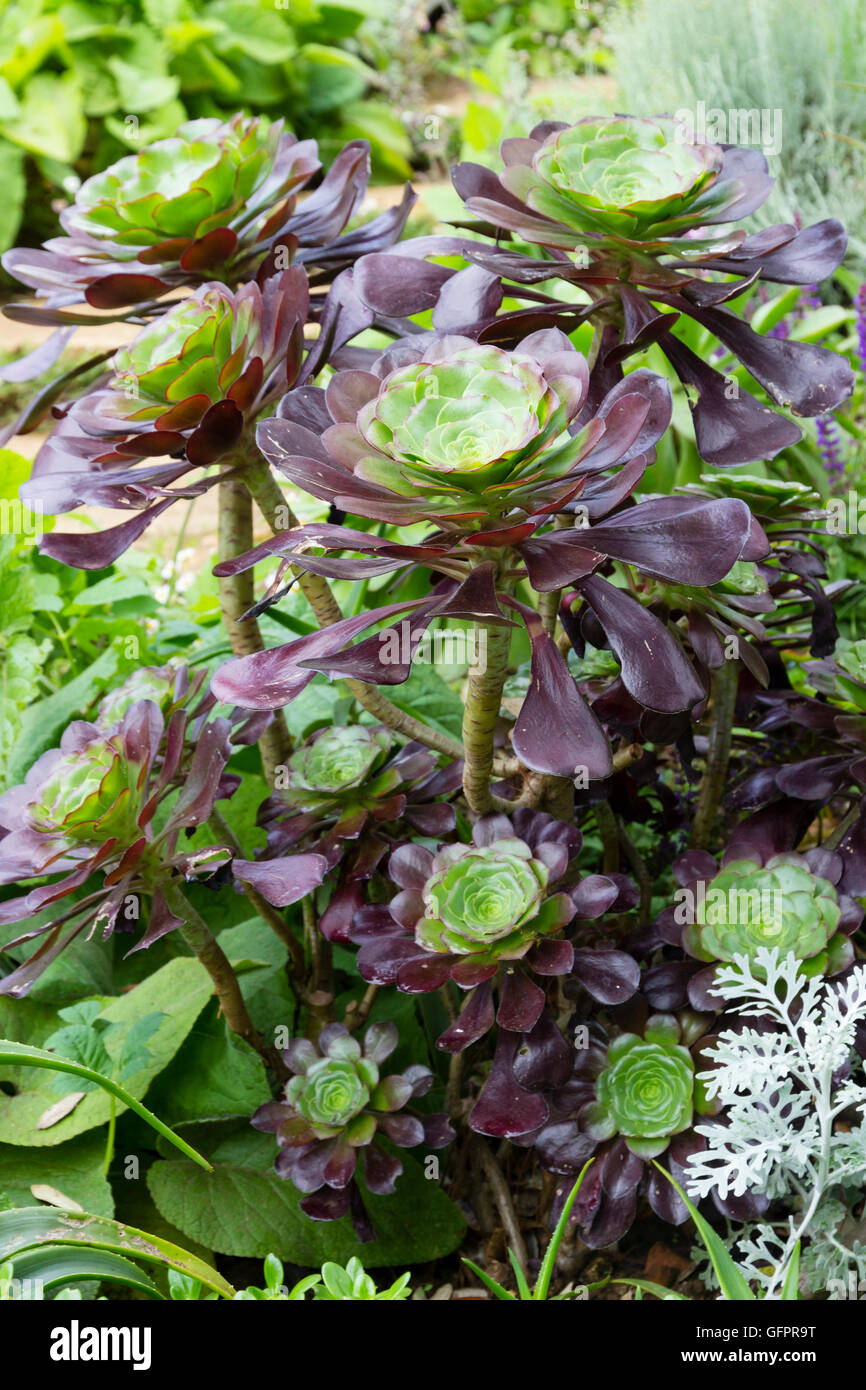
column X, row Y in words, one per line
column 640, row 218
column 203, row 200
column 463, row 860
column 336, row 1107
column 758, row 900
column 348, row 795
column 628, row 1101
column 209, row 203
column 497, row 461
column 185, row 387
column 84, row 822
column 491, row 916
column 345, row 777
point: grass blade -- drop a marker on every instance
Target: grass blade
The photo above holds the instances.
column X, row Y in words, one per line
column 489, row 1283
column 791, row 1286
column 731, row 1281
column 545, row 1274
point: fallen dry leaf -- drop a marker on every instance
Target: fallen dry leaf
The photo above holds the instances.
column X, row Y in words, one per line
column 54, row 1198
column 59, row 1110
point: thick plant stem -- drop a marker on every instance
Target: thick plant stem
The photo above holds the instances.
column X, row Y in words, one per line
column 724, row 693
column 237, row 595
column 201, row 940
column 481, row 712
column 358, row 1010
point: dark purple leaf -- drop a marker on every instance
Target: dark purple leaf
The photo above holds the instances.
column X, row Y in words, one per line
column 520, row 1001
column 381, row 1170
column 505, row 1108
column 282, row 881
column 544, row 1060
column 654, row 668
column 475, row 1020
column 729, row 429
column 611, row 977
column 556, row 731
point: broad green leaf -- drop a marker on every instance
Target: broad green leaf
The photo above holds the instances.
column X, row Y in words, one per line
column 145, row 91
column 112, row 590
column 50, row 119
column 14, row 187
column 817, row 323
column 214, row 1073
column 43, row 723
column 331, row 77
column 766, row 316
column 29, row 1228
column 75, row 1168
column 265, row 988
column 390, row 147
column 179, row 991
column 426, row 695
column 243, row 1208
column 264, row 36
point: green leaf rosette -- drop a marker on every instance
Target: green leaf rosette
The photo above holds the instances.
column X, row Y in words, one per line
column 781, row 905
column 489, row 900
column 89, row 796
column 623, row 176
column 646, row 1092
column 213, row 176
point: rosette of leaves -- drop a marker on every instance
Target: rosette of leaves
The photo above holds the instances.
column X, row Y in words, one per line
column 210, row 202
column 179, row 398
column 491, row 915
column 340, row 775
column 624, row 176
column 757, row 900
column 448, row 429
column 84, row 820
column 336, row 1105
column 626, row 1101
column 637, row 216
column 645, row 1091
column 350, row 794
column 485, row 540
column 217, row 202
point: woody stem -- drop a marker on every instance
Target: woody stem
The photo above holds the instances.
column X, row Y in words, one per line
column 237, row 595
column 481, row 712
